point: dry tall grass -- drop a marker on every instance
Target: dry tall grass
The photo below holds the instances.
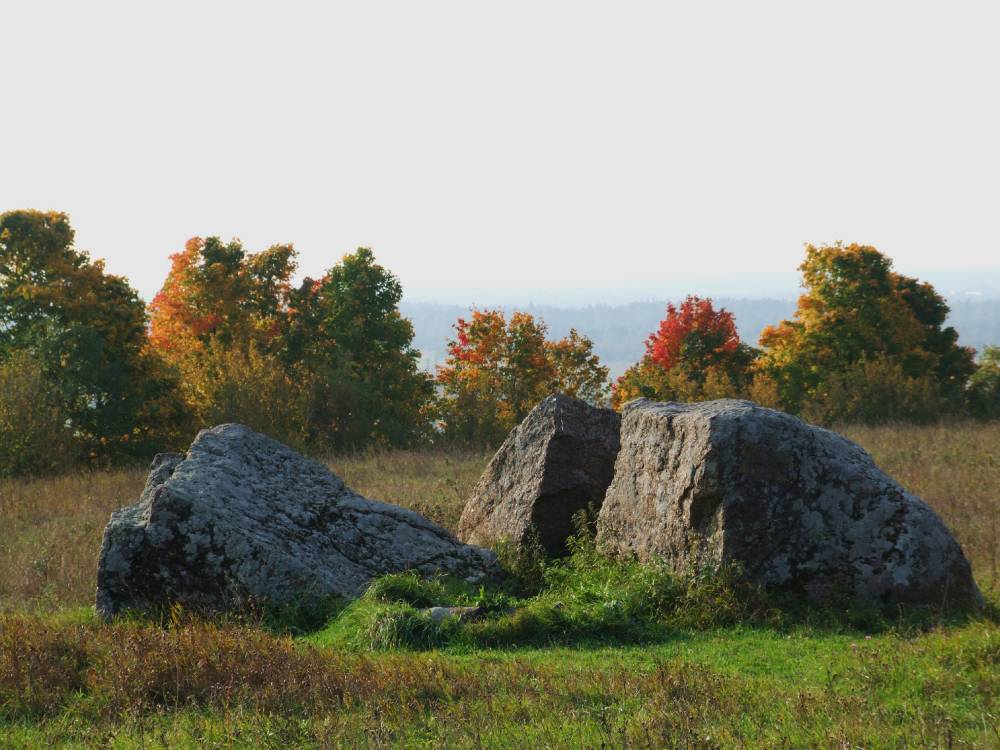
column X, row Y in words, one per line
column 956, row 469
column 50, row 529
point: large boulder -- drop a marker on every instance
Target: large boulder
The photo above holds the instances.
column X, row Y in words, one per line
column 242, row 517
column 799, row 507
column 558, row 461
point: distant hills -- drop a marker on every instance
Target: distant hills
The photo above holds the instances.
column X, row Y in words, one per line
column 619, row 331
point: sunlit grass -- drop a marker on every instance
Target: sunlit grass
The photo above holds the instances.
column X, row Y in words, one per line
column 602, row 657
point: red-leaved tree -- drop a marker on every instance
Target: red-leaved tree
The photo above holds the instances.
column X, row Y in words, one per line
column 695, row 353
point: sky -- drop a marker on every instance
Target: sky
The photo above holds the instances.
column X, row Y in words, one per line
column 544, row 151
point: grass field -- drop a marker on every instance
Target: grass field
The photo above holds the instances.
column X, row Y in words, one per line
column 708, row 668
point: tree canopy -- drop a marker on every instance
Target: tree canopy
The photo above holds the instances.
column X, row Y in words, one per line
column 498, row 370
column 695, row 353
column 329, row 363
column 855, row 310
column 87, row 329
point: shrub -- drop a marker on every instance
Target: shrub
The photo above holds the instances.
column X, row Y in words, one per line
column 876, row 391
column 396, row 626
column 35, row 436
column 249, row 386
column 983, row 394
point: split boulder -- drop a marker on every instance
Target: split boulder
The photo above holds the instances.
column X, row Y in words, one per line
column 798, row 507
column 558, row 461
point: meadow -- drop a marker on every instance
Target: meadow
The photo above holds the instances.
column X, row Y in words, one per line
column 596, row 655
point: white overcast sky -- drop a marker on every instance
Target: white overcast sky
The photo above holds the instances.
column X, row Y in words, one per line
column 492, row 150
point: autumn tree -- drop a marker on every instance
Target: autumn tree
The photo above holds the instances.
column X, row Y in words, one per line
column 578, row 370
column 86, row 329
column 221, row 315
column 346, row 328
column 217, row 290
column 332, row 357
column 858, row 316
column 695, row 354
column 35, row 434
column 498, row 370
column 249, row 385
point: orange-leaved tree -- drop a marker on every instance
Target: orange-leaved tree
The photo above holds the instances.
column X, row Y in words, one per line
column 498, row 370
column 223, row 313
column 216, row 290
column 859, row 322
column 695, row 353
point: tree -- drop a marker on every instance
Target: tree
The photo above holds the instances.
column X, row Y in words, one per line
column 35, row 436
column 219, row 291
column 984, row 385
column 87, row 328
column 696, row 353
column 856, row 309
column 497, row 371
column 347, row 329
column 873, row 391
column 578, row 371
column 336, row 347
column 255, row 388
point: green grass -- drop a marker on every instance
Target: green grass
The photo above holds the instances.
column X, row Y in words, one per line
column 595, row 654
column 736, row 686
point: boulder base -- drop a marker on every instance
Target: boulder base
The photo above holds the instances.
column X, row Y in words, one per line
column 243, row 517
column 797, row 506
column 559, row 460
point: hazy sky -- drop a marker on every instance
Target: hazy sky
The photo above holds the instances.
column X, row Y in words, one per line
column 510, row 149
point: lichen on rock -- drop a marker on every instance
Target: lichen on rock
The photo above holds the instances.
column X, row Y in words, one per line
column 242, row 517
column 796, row 506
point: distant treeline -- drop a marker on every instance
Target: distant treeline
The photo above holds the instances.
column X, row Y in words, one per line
column 91, row 374
column 619, row 332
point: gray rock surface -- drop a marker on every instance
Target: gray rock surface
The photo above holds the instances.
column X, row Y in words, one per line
column 243, row 517
column 556, row 462
column 800, row 507
column 462, row 614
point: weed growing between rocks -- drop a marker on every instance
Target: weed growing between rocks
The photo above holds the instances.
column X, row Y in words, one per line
column 589, row 597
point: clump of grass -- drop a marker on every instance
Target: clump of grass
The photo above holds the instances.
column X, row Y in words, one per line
column 583, row 596
column 401, row 626
column 407, row 588
column 590, row 597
